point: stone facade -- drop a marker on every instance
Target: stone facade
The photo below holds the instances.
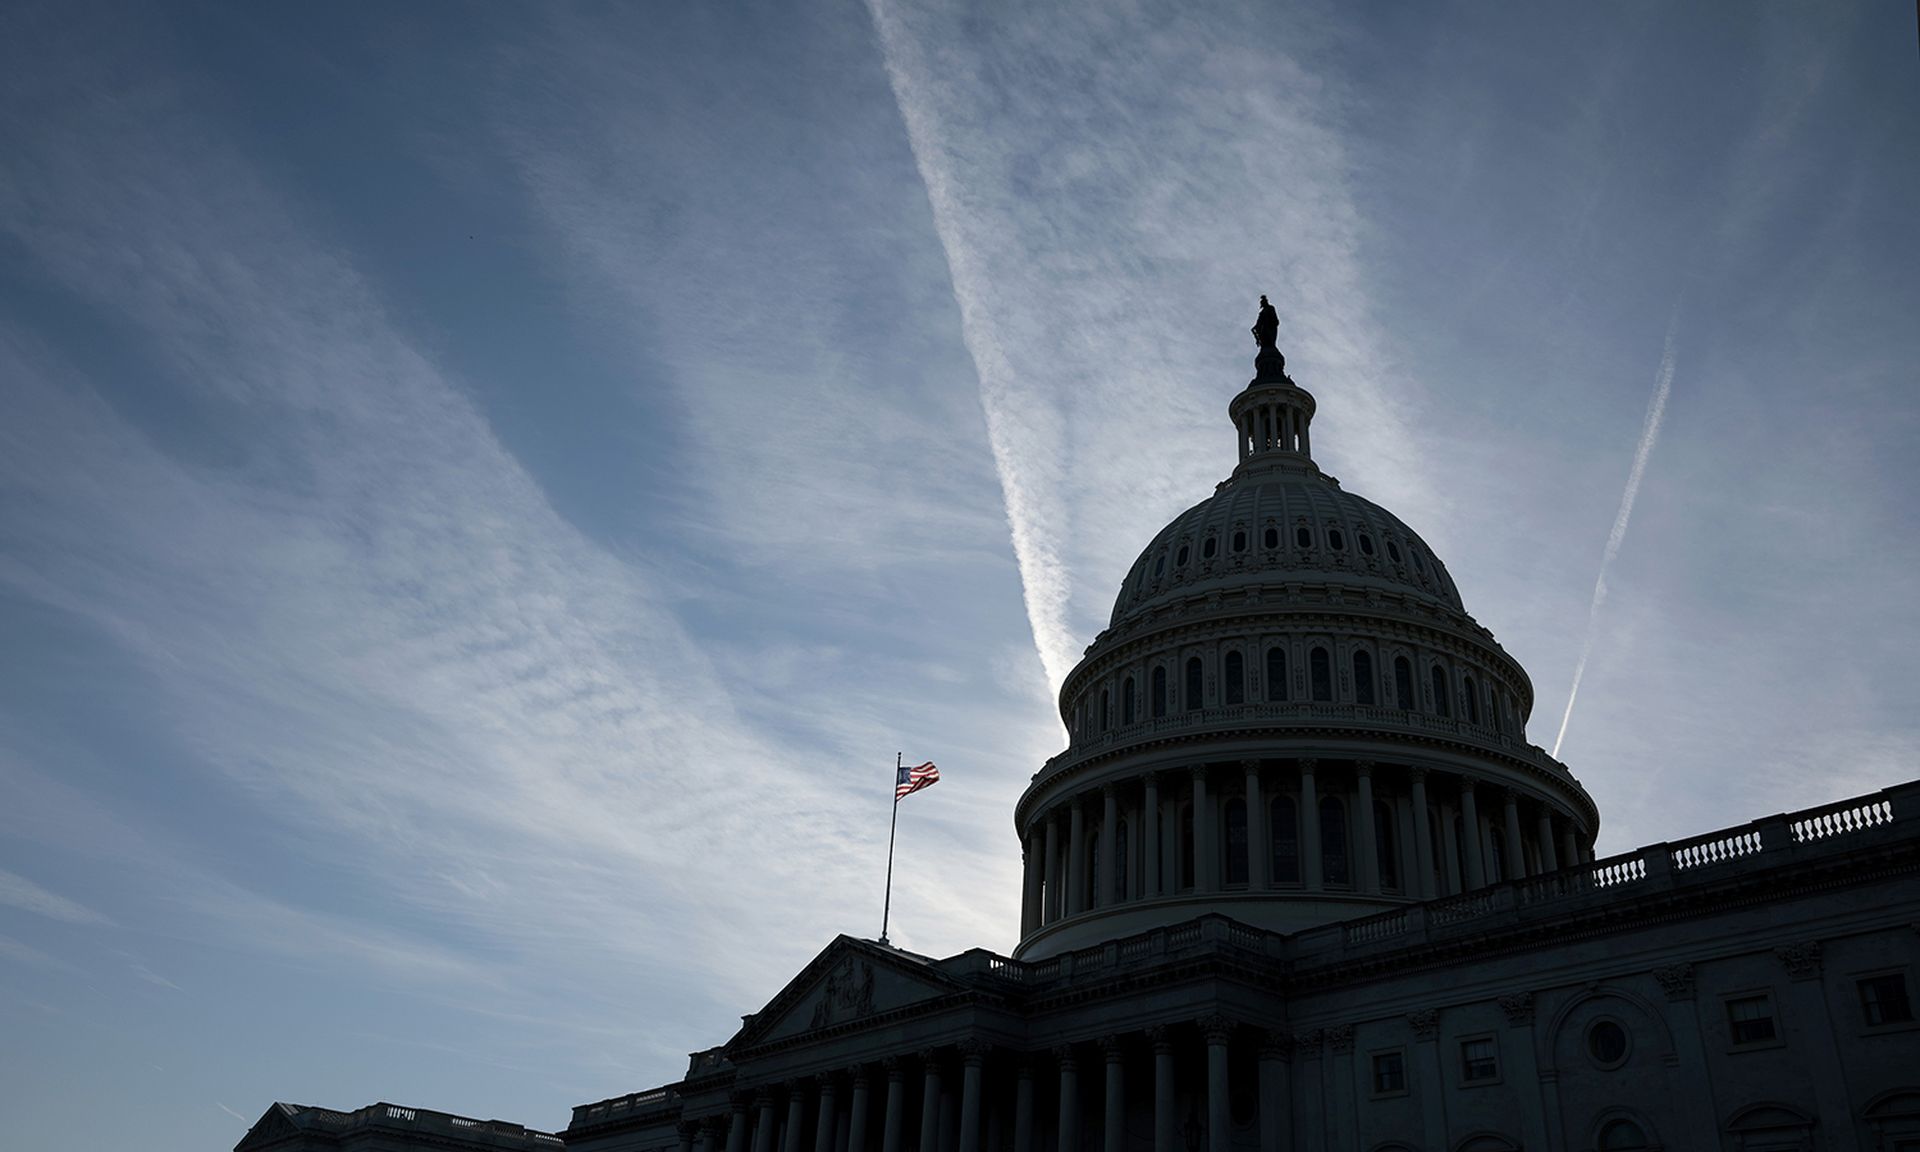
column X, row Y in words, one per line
column 1299, row 883
column 387, row 1128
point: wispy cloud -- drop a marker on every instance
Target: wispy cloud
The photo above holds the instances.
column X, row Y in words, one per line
column 19, row 892
column 231, row 1112
column 1617, row 535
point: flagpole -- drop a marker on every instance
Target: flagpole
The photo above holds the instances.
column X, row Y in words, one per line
column 886, row 910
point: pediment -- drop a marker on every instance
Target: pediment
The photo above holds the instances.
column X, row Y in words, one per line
column 273, row 1125
column 849, row 981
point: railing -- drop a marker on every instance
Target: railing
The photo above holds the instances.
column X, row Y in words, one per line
column 1303, row 712
column 1714, row 848
column 1379, row 927
column 1842, row 817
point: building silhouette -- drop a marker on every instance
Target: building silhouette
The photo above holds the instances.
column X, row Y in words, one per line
column 1299, row 882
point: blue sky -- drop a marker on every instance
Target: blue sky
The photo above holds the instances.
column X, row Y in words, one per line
column 486, row 491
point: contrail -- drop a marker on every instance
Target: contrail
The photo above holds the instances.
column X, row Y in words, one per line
column 1656, row 412
column 1026, row 440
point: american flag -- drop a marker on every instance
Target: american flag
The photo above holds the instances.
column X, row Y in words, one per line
column 913, row 779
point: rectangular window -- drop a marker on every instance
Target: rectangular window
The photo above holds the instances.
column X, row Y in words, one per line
column 1389, row 1072
column 1478, row 1060
column 1751, row 1019
column 1883, row 999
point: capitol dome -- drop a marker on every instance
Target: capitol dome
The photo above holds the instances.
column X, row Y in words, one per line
column 1290, row 719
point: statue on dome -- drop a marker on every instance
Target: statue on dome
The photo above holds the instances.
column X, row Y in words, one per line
column 1266, row 328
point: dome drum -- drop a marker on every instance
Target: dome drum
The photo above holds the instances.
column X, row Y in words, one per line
column 1290, row 720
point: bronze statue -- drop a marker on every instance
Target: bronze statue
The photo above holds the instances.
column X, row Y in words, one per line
column 1266, row 329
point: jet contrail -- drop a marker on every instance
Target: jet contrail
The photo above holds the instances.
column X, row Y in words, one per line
column 1026, row 438
column 1656, row 412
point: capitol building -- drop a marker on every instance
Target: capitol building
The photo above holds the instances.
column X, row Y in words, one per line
column 1299, row 883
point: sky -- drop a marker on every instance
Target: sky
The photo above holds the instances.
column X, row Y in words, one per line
column 487, row 490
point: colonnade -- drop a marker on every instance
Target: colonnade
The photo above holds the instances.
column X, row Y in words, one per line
column 1004, row 1108
column 1301, row 825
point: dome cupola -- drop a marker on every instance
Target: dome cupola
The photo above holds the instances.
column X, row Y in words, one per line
column 1290, row 719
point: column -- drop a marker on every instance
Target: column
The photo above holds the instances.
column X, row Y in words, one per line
column 1259, row 843
column 796, row 1114
column 1154, row 887
column 710, row 1134
column 688, row 1130
column 1369, row 835
column 1205, row 850
column 1077, row 858
column 1163, row 1118
column 896, row 1104
column 1570, row 845
column 1276, row 1125
column 1450, row 851
column 763, row 1129
column 857, row 1112
column 1422, row 836
column 1023, row 1105
column 1113, row 1130
column 1109, row 844
column 930, row 1103
column 737, row 1124
column 973, row 1053
column 1516, row 855
column 1218, row 1030
column 1069, row 1100
column 827, row 1115
column 1310, row 827
column 1052, row 909
column 1549, row 857
column 1030, row 885
column 1470, row 834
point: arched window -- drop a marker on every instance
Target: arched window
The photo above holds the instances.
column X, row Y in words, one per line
column 1122, row 877
column 1441, row 704
column 1393, row 552
column 1362, row 676
column 1126, row 701
column 1320, row 673
column 1270, row 539
column 1160, row 566
column 1403, row 683
column 1106, row 709
column 1335, row 540
column 1239, row 539
column 1303, row 536
column 1383, row 838
column 1276, row 673
column 1180, row 557
column 1621, row 1136
column 1333, row 841
column 1186, row 846
column 1194, row 681
column 1157, row 702
column 1234, row 673
column 1284, row 827
column 1236, row 842
column 1366, row 544
column 1210, row 547
column 1473, row 700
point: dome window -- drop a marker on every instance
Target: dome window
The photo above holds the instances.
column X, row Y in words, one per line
column 1366, row 544
column 1160, row 566
column 1419, row 565
column 1303, row 536
column 1126, row 701
column 1473, row 701
column 1209, row 547
column 1157, row 696
column 1195, row 681
column 1320, row 674
column 1180, row 557
column 1239, row 540
column 1393, row 552
column 1271, row 539
column 1335, row 540
column 1403, row 682
column 1235, row 677
column 1362, row 677
column 1284, row 827
column 1333, row 842
column 1441, row 705
column 1106, row 709
column 1276, row 674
